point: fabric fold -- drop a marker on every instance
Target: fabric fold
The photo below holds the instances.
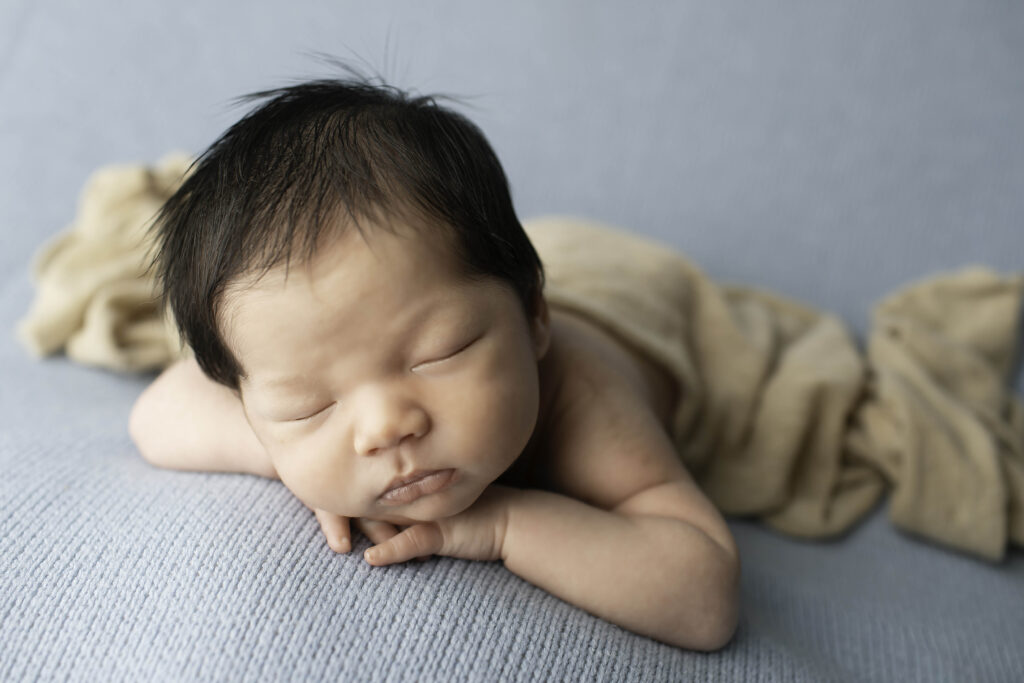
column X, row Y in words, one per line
column 782, row 417
column 939, row 421
column 94, row 298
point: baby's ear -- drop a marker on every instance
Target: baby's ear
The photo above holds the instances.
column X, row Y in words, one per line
column 540, row 326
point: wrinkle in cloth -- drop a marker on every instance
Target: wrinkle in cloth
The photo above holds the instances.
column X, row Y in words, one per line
column 780, row 416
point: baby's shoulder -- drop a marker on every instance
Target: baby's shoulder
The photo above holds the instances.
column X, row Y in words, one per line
column 590, row 366
column 603, row 430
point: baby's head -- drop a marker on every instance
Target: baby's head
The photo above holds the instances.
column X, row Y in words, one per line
column 347, row 259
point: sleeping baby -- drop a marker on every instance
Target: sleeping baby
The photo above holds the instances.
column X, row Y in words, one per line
column 370, row 324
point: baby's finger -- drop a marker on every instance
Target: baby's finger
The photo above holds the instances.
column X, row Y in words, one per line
column 421, row 558
column 375, row 530
column 336, row 530
column 416, row 541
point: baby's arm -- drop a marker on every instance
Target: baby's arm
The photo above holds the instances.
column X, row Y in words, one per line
column 634, row 540
column 638, row 566
column 630, row 537
column 186, row 421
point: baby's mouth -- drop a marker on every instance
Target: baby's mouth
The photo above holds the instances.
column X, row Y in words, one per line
column 404, row 490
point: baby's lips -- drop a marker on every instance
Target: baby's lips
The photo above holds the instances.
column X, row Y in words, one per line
column 429, row 483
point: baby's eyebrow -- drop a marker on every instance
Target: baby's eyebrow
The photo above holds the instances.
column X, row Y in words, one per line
column 282, row 385
column 285, row 382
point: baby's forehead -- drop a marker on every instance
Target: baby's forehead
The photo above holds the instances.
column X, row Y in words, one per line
column 417, row 260
column 277, row 264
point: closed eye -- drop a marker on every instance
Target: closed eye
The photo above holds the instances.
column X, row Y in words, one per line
column 449, row 356
column 313, row 414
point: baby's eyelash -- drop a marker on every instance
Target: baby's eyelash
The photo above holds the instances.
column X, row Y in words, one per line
column 450, row 355
column 458, row 350
column 311, row 415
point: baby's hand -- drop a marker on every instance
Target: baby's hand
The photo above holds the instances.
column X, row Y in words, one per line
column 476, row 533
column 337, row 530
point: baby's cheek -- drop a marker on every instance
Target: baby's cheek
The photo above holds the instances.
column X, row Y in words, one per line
column 504, row 407
column 310, row 473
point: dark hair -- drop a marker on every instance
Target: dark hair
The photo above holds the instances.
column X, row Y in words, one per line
column 321, row 156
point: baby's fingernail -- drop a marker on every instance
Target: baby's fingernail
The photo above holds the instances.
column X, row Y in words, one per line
column 370, row 555
column 342, row 545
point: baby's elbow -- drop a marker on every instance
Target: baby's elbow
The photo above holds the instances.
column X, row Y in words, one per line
column 717, row 624
column 722, row 626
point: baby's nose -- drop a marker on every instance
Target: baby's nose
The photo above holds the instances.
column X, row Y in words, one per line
column 387, row 425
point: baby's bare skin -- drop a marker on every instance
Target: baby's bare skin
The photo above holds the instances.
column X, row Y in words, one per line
column 582, row 358
column 578, row 490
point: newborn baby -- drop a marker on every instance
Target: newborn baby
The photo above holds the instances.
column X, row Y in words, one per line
column 369, row 325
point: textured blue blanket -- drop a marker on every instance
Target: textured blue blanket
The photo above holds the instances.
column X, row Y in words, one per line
column 830, row 151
